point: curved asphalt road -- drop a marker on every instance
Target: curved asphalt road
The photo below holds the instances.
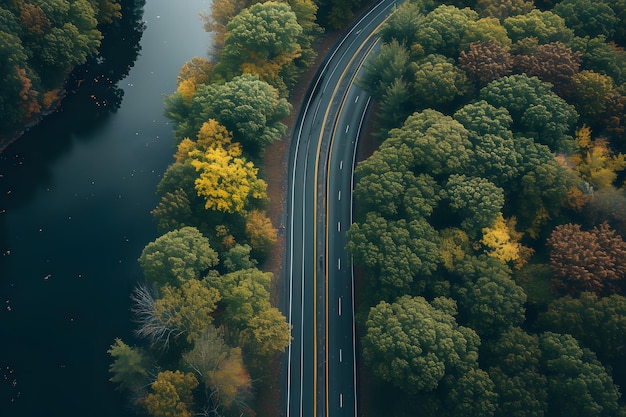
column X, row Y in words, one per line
column 319, row 371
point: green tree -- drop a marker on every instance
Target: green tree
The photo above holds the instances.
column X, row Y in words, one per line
column 12, row 58
column 602, row 56
column 598, row 323
column 397, row 252
column 541, row 188
column 267, row 333
column 246, row 106
column 389, row 65
column 413, row 344
column 578, row 384
column 130, row 366
column 442, row 30
column 306, row 14
column 173, row 211
column 438, row 82
column 386, row 185
column 619, row 7
column 186, row 310
column 72, row 38
column 495, row 155
column 514, row 366
column 339, row 12
column 536, row 110
column 245, row 293
column 403, row 24
column 172, row 395
column 592, row 94
column 260, row 40
column 248, row 315
column 587, row 18
column 535, row 279
column 238, row 257
column 472, row 394
column 190, row 307
column 440, row 145
column 477, row 200
column 177, row 256
column 486, row 29
column 502, row 9
column 395, row 105
column 492, row 305
column 545, row 26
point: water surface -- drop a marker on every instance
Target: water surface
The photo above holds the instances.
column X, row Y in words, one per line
column 75, row 197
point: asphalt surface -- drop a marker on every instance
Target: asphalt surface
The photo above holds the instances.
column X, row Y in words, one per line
column 319, row 372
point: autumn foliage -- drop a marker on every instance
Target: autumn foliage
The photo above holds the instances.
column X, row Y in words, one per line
column 593, row 261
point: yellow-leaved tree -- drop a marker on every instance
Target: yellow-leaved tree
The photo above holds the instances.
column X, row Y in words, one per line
column 191, row 75
column 595, row 162
column 172, row 395
column 501, row 241
column 227, row 181
column 211, row 134
column 260, row 231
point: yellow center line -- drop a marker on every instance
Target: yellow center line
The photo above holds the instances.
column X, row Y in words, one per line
column 326, row 114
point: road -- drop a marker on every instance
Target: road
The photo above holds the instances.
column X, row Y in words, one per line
column 319, row 372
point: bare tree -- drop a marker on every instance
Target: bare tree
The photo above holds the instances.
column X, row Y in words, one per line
column 150, row 326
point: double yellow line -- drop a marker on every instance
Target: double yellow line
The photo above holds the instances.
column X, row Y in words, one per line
column 318, row 153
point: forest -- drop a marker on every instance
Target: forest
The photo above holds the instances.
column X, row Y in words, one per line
column 41, row 42
column 208, row 336
column 488, row 235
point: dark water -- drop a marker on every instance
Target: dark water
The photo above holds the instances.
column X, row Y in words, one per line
column 75, row 197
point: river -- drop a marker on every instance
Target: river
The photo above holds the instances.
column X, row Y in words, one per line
column 75, row 200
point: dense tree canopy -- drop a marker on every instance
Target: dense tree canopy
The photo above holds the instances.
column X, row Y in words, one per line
column 503, row 9
column 578, row 384
column 598, row 323
column 492, row 304
column 514, row 366
column 177, row 256
column 442, row 30
column 593, row 260
column 545, row 26
column 438, row 82
column 226, row 180
column 40, row 42
column 588, row 18
column 246, row 106
column 403, row 25
column 260, row 40
column 492, row 182
column 399, row 251
column 439, row 143
column 390, row 64
column 171, row 394
column 478, row 200
column 536, row 110
column 485, row 61
column 413, row 344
